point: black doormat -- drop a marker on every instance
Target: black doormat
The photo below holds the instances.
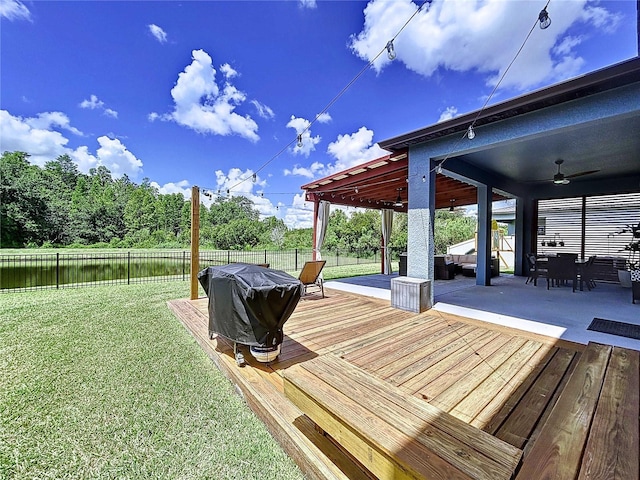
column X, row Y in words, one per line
column 612, row 327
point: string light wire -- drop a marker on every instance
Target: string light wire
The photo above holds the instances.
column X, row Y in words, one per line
column 335, row 98
column 495, row 88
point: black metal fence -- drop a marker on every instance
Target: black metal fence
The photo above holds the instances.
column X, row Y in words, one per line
column 62, row 270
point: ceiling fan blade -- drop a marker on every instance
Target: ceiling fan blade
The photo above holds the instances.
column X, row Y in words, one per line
column 580, row 174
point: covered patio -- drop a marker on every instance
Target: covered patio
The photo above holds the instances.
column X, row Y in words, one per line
column 591, row 123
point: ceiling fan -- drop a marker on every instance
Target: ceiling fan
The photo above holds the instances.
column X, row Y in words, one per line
column 561, row 179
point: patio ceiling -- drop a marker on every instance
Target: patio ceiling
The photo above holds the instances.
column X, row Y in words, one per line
column 377, row 184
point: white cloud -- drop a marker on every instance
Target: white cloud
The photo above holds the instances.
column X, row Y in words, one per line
column 310, row 172
column 200, row 104
column 37, row 137
column 301, row 126
column 14, row 10
column 228, row 71
column 263, row 110
column 170, row 188
column 324, row 117
column 299, row 214
column 354, row 149
column 94, row 103
column 448, row 114
column 483, row 36
column 348, row 151
column 49, row 120
column 158, row 33
column 308, row 4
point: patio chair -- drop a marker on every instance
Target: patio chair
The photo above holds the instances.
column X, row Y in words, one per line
column 310, row 275
column 536, row 269
column 586, row 273
column 560, row 270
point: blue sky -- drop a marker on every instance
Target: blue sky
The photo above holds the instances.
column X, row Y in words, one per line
column 209, row 93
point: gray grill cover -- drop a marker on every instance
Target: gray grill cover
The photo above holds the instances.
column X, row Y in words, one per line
column 249, row 304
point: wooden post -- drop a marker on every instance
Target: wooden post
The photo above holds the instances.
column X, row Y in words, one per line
column 316, row 204
column 195, row 240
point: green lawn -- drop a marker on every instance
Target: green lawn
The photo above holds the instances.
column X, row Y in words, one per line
column 104, row 382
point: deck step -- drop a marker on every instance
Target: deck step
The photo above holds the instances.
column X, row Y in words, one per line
column 394, row 435
column 593, row 428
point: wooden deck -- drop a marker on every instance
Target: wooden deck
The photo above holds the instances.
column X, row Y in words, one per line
column 503, row 381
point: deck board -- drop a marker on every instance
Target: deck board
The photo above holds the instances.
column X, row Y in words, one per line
column 499, row 379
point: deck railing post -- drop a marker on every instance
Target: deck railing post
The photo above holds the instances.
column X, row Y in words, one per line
column 57, row 270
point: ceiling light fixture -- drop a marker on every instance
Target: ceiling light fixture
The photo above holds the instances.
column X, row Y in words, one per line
column 544, row 19
column 559, row 178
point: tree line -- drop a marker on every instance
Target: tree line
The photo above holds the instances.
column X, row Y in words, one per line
column 58, row 206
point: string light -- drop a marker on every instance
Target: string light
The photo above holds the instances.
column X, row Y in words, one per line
column 391, row 52
column 254, row 178
column 544, row 18
column 300, row 144
column 470, row 133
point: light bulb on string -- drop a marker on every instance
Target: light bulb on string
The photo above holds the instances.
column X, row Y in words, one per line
column 300, row 144
column 470, row 133
column 544, row 19
column 391, row 52
column 439, row 168
column 424, row 178
column 254, row 178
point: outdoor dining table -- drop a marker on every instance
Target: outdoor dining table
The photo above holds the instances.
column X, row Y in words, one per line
column 579, row 262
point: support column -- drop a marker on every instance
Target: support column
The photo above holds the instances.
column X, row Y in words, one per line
column 526, row 233
column 483, row 255
column 195, row 240
column 316, row 204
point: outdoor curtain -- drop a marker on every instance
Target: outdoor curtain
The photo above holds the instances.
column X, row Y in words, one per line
column 387, row 223
column 321, row 226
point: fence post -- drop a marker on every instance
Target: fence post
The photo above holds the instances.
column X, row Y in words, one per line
column 296, row 259
column 228, row 257
column 129, row 268
column 184, row 263
column 57, row 270
column 265, row 256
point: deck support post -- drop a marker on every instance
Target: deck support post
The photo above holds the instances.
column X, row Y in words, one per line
column 195, row 240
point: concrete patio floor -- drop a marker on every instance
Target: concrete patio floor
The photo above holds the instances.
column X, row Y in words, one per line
column 557, row 312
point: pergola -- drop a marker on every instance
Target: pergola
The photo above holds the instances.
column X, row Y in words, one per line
column 591, row 122
column 378, row 184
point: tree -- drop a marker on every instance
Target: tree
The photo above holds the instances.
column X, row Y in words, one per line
column 451, row 228
column 23, row 207
column 140, row 211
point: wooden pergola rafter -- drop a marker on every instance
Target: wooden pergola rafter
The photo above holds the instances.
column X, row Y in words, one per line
column 378, row 184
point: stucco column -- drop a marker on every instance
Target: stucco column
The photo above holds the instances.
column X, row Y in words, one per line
column 421, row 214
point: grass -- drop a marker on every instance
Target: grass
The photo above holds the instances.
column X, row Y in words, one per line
column 104, row 382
